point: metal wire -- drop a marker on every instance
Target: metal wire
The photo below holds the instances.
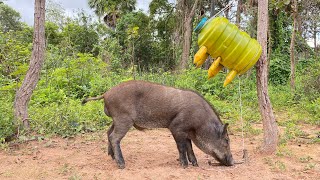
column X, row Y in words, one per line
column 241, row 119
column 227, row 6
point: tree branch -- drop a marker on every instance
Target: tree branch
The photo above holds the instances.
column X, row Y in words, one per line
column 193, row 10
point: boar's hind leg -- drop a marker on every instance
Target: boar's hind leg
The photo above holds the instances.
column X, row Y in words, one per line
column 110, row 151
column 181, row 140
column 191, row 157
column 121, row 127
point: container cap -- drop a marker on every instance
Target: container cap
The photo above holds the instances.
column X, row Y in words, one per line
column 200, row 25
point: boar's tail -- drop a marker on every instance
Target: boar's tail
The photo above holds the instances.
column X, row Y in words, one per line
column 92, row 99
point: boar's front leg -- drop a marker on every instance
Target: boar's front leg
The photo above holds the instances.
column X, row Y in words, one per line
column 181, row 141
column 191, row 157
column 182, row 148
column 121, row 127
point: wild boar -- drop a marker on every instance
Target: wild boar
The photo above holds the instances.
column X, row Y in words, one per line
column 185, row 113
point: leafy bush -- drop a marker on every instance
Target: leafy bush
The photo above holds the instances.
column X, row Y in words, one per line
column 314, row 108
column 7, row 126
column 281, row 96
column 72, row 71
column 279, row 69
column 308, row 80
column 68, row 118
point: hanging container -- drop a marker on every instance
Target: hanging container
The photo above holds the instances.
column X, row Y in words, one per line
column 229, row 46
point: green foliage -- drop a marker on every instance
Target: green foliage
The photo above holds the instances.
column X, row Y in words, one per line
column 14, row 55
column 74, row 78
column 308, row 89
column 53, row 36
column 143, row 51
column 275, row 166
column 159, row 7
column 82, row 38
column 112, row 6
column 280, row 60
column 164, row 24
column 23, row 36
column 314, row 108
column 279, row 69
column 7, row 126
column 55, row 13
column 86, row 58
column 112, row 53
column 308, row 79
column 279, row 4
column 68, row 118
column 292, row 131
column 9, row 19
column 281, row 96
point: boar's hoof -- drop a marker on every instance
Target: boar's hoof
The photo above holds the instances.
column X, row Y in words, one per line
column 184, row 164
column 195, row 164
column 121, row 166
column 112, row 156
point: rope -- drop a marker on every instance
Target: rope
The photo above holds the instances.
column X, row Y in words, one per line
column 223, row 9
column 244, row 151
column 227, row 6
column 245, row 155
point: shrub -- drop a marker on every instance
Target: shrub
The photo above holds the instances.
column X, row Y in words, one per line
column 68, row 118
column 6, row 116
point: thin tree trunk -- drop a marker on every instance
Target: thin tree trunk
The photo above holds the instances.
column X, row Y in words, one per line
column 238, row 15
column 187, row 24
column 252, row 24
column 226, row 12
column 212, row 7
column 24, row 93
column 133, row 63
column 315, row 37
column 270, row 127
column 293, row 37
column 269, row 48
column 186, row 45
column 212, row 13
column 299, row 25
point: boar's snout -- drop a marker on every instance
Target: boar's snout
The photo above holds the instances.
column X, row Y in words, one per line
column 228, row 161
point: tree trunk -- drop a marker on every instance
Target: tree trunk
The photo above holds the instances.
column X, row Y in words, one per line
column 269, row 48
column 252, row 25
column 212, row 7
column 315, row 37
column 209, row 60
column 293, row 37
column 299, row 25
column 270, row 127
column 187, row 25
column 226, row 12
column 186, row 44
column 29, row 83
column 238, row 15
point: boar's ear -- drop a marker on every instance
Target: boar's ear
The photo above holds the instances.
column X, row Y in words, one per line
column 225, row 127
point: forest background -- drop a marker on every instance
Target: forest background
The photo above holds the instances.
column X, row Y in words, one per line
column 85, row 57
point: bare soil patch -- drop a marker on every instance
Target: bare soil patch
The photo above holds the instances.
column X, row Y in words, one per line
column 151, row 155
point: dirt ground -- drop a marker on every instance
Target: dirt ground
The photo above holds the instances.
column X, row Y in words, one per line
column 151, row 155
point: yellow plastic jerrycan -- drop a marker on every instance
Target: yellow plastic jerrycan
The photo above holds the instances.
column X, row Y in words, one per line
column 229, row 46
